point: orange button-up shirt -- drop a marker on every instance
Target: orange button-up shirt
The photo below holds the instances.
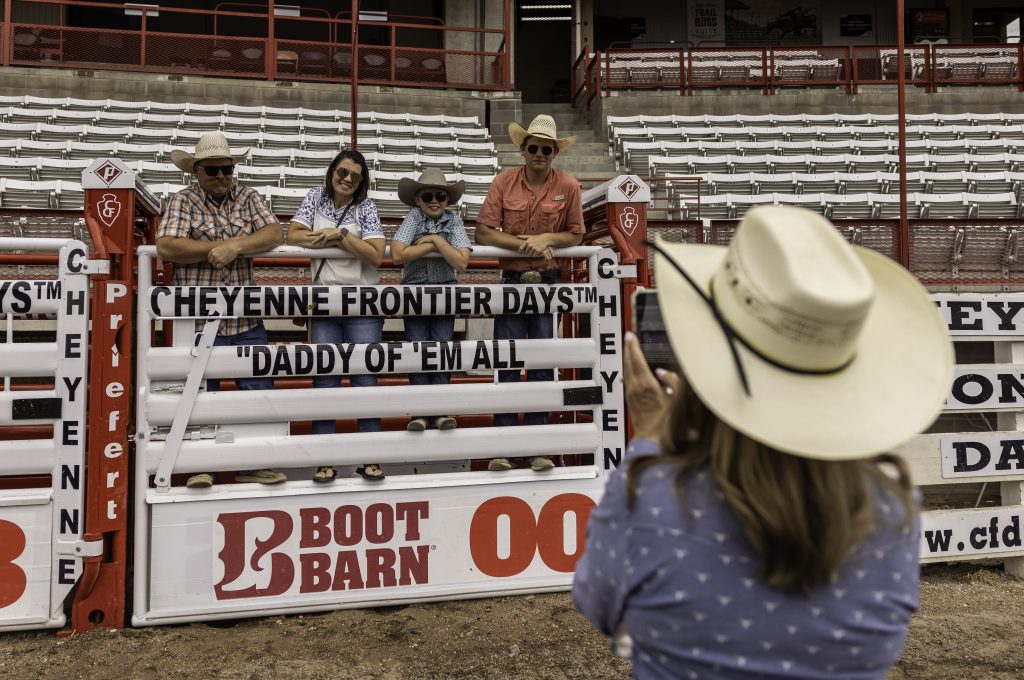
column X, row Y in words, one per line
column 513, row 207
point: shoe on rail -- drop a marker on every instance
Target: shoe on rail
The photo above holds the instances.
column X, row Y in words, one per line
column 200, row 480
column 260, row 476
column 541, row 464
column 499, row 465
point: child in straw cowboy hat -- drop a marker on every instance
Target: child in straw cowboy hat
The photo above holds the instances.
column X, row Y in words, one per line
column 430, row 229
column 206, row 229
column 531, row 210
column 758, row 527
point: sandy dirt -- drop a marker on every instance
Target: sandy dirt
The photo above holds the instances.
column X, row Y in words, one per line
column 967, row 628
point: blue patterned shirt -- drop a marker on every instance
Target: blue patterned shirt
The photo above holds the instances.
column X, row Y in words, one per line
column 683, row 582
column 431, row 269
column 318, row 202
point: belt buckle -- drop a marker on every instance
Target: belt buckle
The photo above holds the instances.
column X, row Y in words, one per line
column 530, row 277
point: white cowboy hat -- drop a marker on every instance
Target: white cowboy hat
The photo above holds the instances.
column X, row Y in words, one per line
column 431, row 178
column 542, row 127
column 836, row 353
column 210, row 145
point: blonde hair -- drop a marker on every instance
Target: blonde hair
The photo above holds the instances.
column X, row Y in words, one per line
column 803, row 516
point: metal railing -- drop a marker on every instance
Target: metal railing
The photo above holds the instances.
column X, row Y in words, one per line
column 248, row 44
column 771, row 68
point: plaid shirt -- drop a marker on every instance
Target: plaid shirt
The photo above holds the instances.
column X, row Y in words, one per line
column 191, row 213
column 431, row 269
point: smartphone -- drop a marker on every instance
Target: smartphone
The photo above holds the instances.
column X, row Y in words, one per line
column 650, row 330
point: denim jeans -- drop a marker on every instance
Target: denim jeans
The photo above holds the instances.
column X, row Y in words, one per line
column 520, row 327
column 253, row 336
column 419, row 328
column 356, row 329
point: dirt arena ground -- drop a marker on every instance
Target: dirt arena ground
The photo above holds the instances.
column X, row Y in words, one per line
column 967, row 628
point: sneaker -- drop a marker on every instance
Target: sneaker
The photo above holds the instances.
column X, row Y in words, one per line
column 446, row 423
column 417, row 425
column 499, row 465
column 541, row 464
column 201, row 480
column 261, row 477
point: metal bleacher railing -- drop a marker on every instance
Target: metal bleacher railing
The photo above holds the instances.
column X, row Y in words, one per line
column 689, row 69
column 248, row 42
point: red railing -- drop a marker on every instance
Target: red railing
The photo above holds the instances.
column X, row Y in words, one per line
column 771, row 68
column 257, row 45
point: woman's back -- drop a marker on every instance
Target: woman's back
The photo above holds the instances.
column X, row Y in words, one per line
column 696, row 607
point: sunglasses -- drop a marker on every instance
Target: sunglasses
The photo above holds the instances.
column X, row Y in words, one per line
column 546, row 150
column 214, row 170
column 343, row 173
column 429, row 196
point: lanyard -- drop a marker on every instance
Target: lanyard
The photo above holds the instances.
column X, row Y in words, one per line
column 323, row 260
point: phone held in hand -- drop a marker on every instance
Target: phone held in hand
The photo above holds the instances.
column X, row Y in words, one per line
column 650, row 331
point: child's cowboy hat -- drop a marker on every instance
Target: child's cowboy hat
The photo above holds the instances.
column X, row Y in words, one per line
column 803, row 342
column 210, row 145
column 542, row 127
column 432, row 178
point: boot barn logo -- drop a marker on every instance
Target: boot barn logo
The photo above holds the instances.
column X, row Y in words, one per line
column 269, row 553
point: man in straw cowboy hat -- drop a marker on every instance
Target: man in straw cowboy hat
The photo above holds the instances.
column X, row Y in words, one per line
column 759, row 488
column 532, row 209
column 205, row 229
column 430, row 228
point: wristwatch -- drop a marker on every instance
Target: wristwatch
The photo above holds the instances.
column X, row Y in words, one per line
column 343, row 232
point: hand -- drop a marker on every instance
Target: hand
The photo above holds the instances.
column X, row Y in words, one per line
column 536, row 245
column 426, row 238
column 324, row 237
column 647, row 399
column 223, row 254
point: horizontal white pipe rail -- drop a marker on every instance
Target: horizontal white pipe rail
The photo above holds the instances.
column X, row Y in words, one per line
column 304, row 360
column 27, row 456
column 25, row 360
column 248, row 406
column 478, row 252
column 45, row 244
column 207, row 455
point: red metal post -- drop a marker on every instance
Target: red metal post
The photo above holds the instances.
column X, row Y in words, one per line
column 901, row 102
column 354, row 144
column 8, row 37
column 682, row 73
column 100, row 598
column 508, row 45
column 142, row 42
column 271, row 51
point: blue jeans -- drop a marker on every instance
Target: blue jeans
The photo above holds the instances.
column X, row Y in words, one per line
column 253, row 336
column 520, row 327
column 356, row 329
column 419, row 328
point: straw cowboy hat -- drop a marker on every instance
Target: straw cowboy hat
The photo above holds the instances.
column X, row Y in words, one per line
column 803, row 342
column 542, row 127
column 432, row 178
column 210, row 145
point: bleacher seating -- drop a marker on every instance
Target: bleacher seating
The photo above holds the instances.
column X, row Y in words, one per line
column 958, row 165
column 45, row 143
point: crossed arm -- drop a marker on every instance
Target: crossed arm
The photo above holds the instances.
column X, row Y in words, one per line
column 458, row 258
column 183, row 250
column 534, row 245
column 370, row 251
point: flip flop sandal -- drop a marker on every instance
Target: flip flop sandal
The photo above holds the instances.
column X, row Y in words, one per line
column 371, row 472
column 324, row 478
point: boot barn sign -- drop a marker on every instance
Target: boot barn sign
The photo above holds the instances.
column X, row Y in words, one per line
column 287, row 551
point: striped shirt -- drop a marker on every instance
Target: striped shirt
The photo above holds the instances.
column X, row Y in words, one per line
column 191, row 213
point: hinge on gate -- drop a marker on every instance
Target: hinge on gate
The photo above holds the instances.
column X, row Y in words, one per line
column 192, row 433
column 96, row 267
column 176, row 388
column 80, row 548
column 625, row 271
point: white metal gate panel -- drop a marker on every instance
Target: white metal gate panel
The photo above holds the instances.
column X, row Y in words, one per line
column 244, row 549
column 41, row 529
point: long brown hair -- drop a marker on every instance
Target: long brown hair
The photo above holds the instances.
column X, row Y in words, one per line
column 804, row 517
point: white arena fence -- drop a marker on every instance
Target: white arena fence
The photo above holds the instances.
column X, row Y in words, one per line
column 41, row 529
column 445, row 533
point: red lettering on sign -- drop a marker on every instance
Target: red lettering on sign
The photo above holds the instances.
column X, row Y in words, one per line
column 527, row 535
column 282, row 569
column 12, row 577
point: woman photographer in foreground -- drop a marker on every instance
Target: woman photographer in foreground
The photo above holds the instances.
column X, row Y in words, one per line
column 757, row 527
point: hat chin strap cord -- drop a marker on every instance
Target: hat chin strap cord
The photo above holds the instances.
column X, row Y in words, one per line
column 733, row 337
